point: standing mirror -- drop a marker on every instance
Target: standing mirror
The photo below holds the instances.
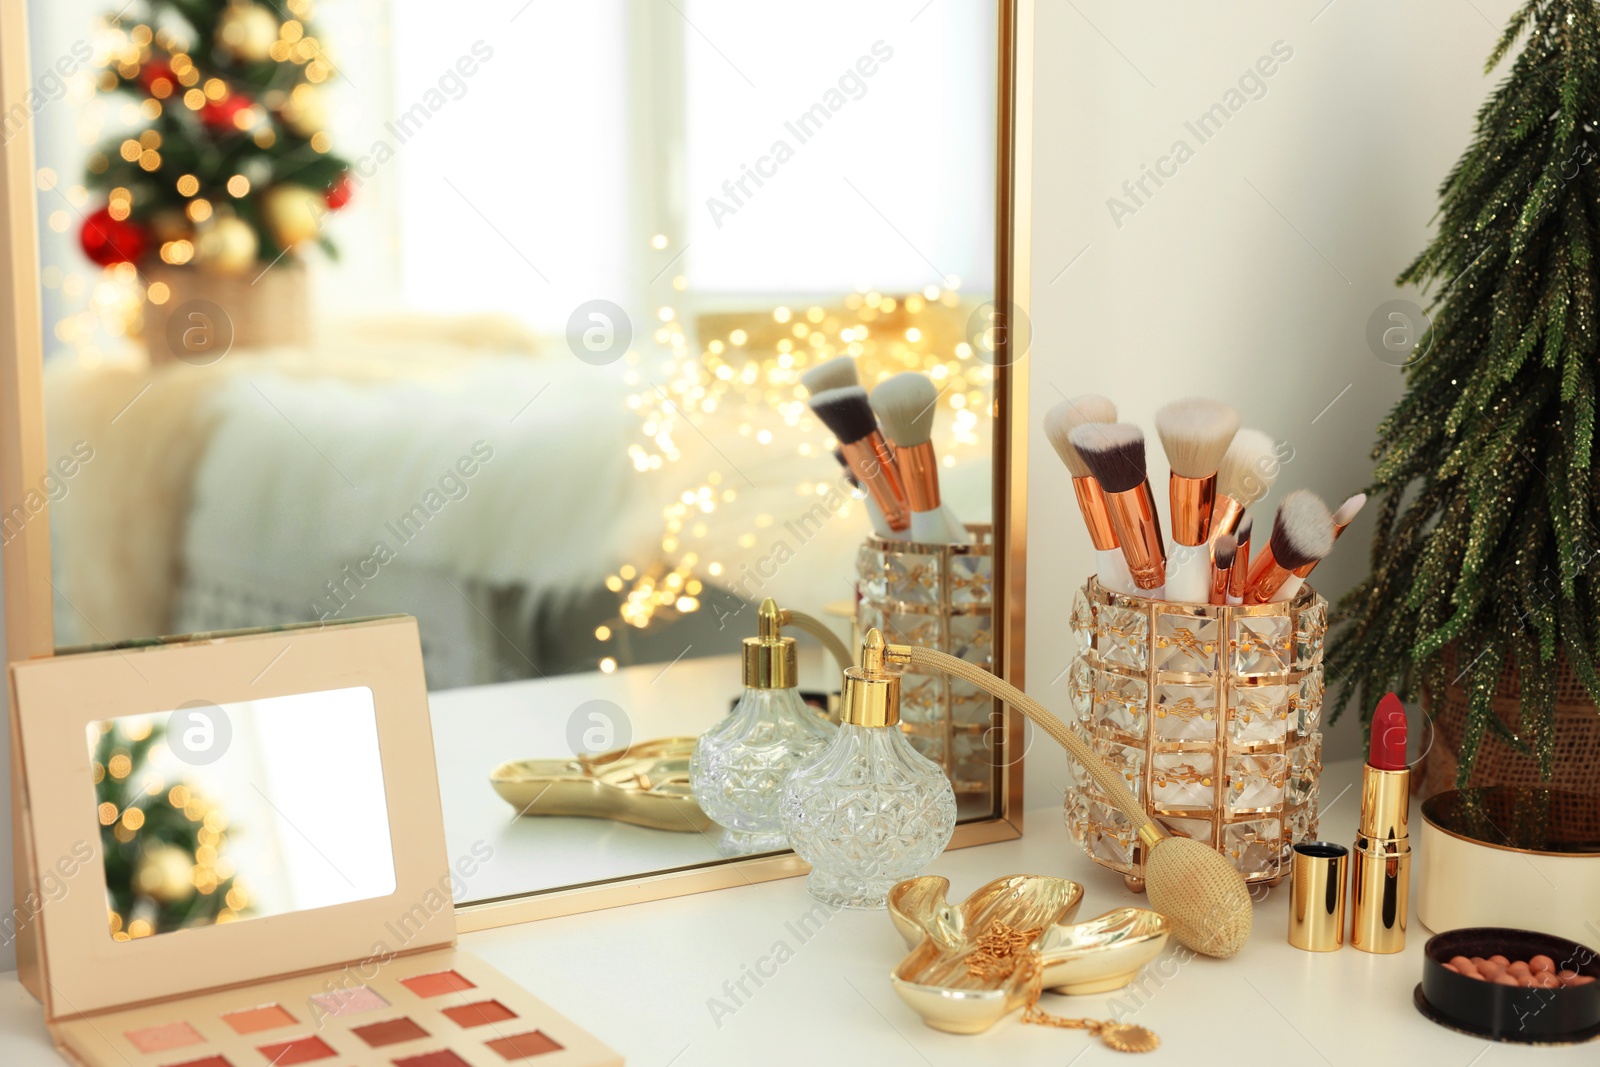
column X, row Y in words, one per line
column 498, row 317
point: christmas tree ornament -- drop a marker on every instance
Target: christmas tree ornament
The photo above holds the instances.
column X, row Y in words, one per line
column 293, row 214
column 247, row 31
column 108, row 241
column 225, row 245
column 234, row 113
column 305, row 111
column 340, row 192
column 163, row 873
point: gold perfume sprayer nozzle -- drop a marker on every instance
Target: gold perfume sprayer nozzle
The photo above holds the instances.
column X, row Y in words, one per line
column 871, row 691
column 770, row 659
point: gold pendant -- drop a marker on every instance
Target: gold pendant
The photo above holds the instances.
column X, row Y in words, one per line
column 1127, row 1037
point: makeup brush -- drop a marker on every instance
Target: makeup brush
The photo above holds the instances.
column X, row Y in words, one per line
column 1239, row 576
column 1059, row 422
column 1247, row 471
column 905, row 405
column 1302, row 533
column 848, row 415
column 1223, row 554
column 836, row 373
column 1114, row 454
column 880, row 525
column 1195, row 433
column 1341, row 518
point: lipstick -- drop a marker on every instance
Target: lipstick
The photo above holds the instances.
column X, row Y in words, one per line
column 1380, row 864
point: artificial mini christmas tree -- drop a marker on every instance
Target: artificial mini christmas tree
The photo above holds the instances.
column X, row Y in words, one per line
column 232, row 167
column 1486, row 543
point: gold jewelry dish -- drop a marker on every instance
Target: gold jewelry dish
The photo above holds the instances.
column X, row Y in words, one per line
column 646, row 784
column 950, row 977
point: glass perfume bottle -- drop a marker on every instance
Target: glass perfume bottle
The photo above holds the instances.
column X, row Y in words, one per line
column 739, row 766
column 869, row 810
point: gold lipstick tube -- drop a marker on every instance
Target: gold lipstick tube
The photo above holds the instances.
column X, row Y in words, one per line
column 1266, row 577
column 1133, row 516
column 1380, row 864
column 869, row 458
column 919, row 467
column 1226, row 514
column 1096, row 516
column 1239, row 576
column 1305, row 571
column 1192, row 501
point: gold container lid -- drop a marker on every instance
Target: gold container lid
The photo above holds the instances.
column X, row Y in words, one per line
column 770, row 659
column 1533, row 819
column 1317, row 895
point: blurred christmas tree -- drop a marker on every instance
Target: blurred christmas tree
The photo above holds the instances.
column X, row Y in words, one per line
column 234, row 166
column 162, row 843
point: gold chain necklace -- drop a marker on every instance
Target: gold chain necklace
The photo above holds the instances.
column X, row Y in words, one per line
column 1002, row 950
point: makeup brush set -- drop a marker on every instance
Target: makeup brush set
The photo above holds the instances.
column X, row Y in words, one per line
column 1219, row 470
column 886, row 448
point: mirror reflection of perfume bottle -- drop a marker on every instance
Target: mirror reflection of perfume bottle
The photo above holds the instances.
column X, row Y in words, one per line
column 869, row 810
column 739, row 766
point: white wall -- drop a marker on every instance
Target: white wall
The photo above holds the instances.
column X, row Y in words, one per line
column 1252, row 272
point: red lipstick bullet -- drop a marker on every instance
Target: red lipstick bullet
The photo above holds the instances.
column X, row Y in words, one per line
column 1387, row 751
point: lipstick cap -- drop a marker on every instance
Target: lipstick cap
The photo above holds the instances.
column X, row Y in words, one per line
column 1316, row 895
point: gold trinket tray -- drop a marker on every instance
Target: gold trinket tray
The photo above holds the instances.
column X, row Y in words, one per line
column 646, row 784
column 1096, row 956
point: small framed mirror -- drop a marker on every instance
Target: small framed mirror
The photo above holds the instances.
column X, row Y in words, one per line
column 502, row 320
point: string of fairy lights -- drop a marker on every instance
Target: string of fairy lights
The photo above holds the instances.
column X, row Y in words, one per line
column 748, row 368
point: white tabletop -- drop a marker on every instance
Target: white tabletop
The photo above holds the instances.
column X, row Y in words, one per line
column 642, row 978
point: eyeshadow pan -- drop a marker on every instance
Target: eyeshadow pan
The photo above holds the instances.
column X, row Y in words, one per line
column 391, row 1032
column 524, row 1046
column 209, row 1061
column 300, row 1050
column 480, row 1014
column 254, row 1020
column 164, row 1038
column 442, row 1058
column 349, row 1001
column 437, row 984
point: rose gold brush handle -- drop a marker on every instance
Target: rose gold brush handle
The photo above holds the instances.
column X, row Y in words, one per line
column 1192, row 501
column 1133, row 515
column 1226, row 514
column 1096, row 515
column 869, row 458
column 919, row 467
column 1239, row 576
column 1266, row 577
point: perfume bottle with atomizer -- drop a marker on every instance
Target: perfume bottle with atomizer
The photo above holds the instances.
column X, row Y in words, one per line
column 739, row 766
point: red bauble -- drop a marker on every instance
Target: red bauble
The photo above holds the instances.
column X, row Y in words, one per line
column 339, row 193
column 154, row 71
column 108, row 241
column 222, row 114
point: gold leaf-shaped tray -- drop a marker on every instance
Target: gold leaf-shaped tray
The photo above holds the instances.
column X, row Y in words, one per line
column 646, row 784
column 1101, row 954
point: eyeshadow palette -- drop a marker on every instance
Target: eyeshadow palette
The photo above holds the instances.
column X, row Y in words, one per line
column 434, row 1009
column 300, row 979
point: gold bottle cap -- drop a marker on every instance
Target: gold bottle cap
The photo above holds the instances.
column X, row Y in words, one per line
column 770, row 659
column 1317, row 895
column 871, row 693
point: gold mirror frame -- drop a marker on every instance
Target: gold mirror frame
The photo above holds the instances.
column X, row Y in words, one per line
column 29, row 623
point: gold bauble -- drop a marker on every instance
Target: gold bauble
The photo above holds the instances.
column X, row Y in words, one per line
column 304, row 111
column 225, row 245
column 246, row 32
column 162, row 874
column 293, row 214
